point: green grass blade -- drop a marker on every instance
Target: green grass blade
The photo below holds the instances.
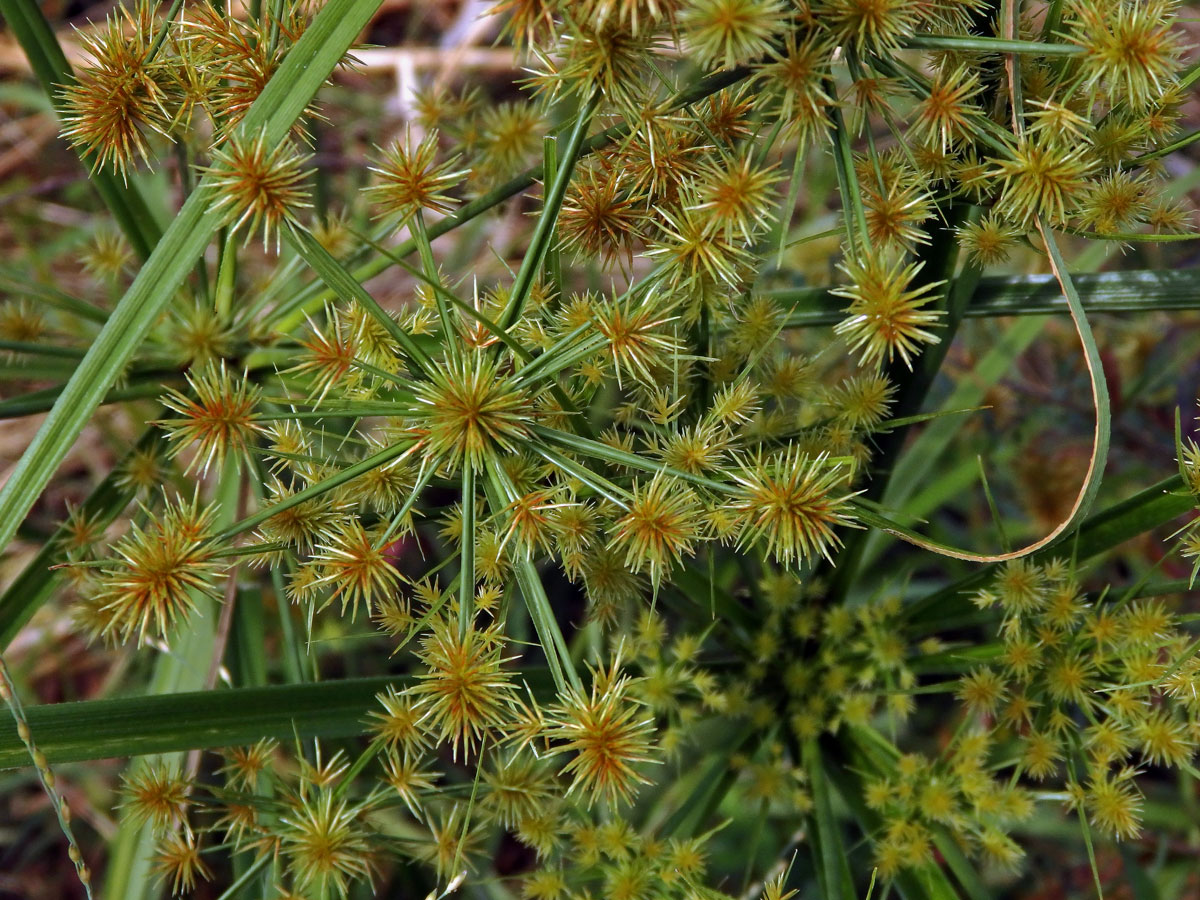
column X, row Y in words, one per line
column 37, row 402
column 169, row 722
column 1029, row 295
column 543, row 232
column 303, row 71
column 164, row 722
column 829, row 856
column 466, row 574
column 1100, row 439
column 713, row 784
column 922, row 456
column 988, row 45
column 34, row 349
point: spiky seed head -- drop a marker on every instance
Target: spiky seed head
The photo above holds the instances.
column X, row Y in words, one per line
column 300, row 525
column 660, row 159
column 1020, row 587
column 1131, row 55
column 245, row 765
column 509, row 135
column 736, row 404
column 798, row 74
column 324, row 842
column 528, row 22
column 255, row 185
column 357, row 566
column 946, row 116
column 406, row 775
column 600, row 217
column 397, row 724
column 659, row 527
column 21, row 320
column 1114, row 804
column 143, row 470
column 635, row 15
column 199, row 335
column 117, row 100
column 694, row 252
column 156, row 572
column 518, row 786
column 886, row 316
column 608, row 58
column 240, row 56
column 609, row 733
column 871, row 25
column 410, row 179
column 1117, row 202
column 697, row 449
column 156, row 794
column 723, row 33
column 1060, row 119
column 982, row 691
column 218, row 414
column 789, row 502
column 1042, row 179
column 895, row 214
column 454, row 846
column 465, row 692
column 178, row 859
column 108, row 255
column 470, row 413
column 739, row 195
column 862, row 401
column 530, row 521
column 638, row 344
column 1164, row 738
column 989, row 241
column 328, row 355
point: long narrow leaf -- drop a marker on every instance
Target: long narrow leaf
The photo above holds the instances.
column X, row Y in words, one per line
column 1029, row 295
column 162, row 723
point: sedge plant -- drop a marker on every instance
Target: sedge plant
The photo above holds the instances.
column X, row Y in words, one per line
column 540, row 521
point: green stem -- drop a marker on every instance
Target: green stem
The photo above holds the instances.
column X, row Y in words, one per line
column 558, row 656
column 429, row 266
column 466, row 575
column 544, row 230
column 852, row 205
column 553, row 267
column 989, row 45
column 162, row 33
column 226, row 278
column 1029, row 295
column 314, row 490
